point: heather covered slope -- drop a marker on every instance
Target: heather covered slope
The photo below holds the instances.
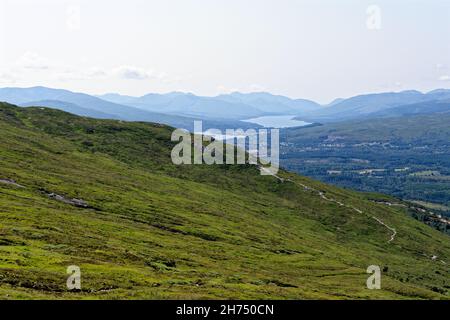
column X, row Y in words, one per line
column 144, row 228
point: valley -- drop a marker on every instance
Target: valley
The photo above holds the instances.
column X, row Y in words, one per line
column 406, row 157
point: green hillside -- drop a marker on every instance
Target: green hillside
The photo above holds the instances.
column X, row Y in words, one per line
column 359, row 154
column 143, row 228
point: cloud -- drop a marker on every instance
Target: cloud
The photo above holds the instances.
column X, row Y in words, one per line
column 31, row 65
column 165, row 78
column 221, row 89
column 69, row 74
column 33, row 61
column 132, row 73
column 96, row 72
column 6, row 78
column 256, row 88
column 444, row 78
column 162, row 75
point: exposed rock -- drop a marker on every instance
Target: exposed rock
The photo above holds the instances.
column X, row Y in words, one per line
column 11, row 182
column 75, row 202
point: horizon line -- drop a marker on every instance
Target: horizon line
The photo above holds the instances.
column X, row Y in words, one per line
column 99, row 95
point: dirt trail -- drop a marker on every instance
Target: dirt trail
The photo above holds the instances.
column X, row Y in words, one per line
column 324, row 197
column 394, row 232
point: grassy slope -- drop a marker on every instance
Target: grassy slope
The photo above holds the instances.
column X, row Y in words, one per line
column 432, row 129
column 161, row 231
column 419, row 142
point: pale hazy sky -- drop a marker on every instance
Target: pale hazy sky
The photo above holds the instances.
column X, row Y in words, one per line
column 316, row 49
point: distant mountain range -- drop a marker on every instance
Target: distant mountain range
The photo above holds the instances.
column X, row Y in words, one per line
column 240, row 106
column 420, row 108
column 382, row 104
column 235, row 106
column 68, row 99
column 180, row 109
column 91, row 106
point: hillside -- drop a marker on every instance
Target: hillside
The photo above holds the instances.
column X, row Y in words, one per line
column 86, row 105
column 427, row 107
column 103, row 195
column 380, row 104
column 70, row 108
column 409, row 155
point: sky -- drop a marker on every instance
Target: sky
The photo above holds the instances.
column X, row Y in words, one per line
column 313, row 49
